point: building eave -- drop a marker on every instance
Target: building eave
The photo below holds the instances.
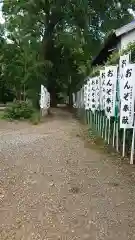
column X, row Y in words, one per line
column 106, row 50
column 111, row 43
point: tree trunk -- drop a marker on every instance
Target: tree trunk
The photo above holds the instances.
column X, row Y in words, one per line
column 53, row 96
column 70, row 92
column 49, row 49
column 70, row 99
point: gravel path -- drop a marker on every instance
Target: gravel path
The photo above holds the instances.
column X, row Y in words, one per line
column 54, row 188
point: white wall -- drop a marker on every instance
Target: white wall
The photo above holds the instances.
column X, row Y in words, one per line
column 127, row 38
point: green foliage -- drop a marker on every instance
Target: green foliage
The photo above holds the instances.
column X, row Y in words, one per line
column 95, row 71
column 22, row 68
column 114, row 58
column 19, row 110
column 130, row 48
column 51, row 42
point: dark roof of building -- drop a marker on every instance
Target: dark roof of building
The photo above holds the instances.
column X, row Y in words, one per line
column 111, row 43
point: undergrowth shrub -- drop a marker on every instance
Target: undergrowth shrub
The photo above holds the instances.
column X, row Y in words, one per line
column 19, row 110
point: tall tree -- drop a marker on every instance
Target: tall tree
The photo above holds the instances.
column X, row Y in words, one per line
column 71, row 32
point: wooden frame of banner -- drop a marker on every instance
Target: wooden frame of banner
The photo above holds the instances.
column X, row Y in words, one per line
column 99, row 121
column 103, row 126
column 116, row 129
column 123, row 144
column 133, row 144
column 114, row 132
column 106, row 128
column 109, row 128
column 88, row 117
column 91, row 117
column 94, row 119
column 132, row 147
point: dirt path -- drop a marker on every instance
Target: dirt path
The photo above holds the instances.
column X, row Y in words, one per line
column 53, row 188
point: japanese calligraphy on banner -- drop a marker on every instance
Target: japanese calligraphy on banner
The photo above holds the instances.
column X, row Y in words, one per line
column 93, row 94
column 110, row 90
column 124, row 60
column 48, row 100
column 102, row 89
column 87, row 94
column 97, row 88
column 127, row 97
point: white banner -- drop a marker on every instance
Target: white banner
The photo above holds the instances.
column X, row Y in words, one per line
column 102, row 89
column 48, row 100
column 110, row 92
column 93, row 94
column 82, row 97
column 127, row 97
column 44, row 98
column 87, row 94
column 97, row 79
column 124, row 60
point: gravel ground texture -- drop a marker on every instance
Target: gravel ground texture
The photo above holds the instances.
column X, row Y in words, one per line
column 53, row 187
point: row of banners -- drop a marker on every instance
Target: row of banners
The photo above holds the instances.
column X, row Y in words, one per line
column 115, row 87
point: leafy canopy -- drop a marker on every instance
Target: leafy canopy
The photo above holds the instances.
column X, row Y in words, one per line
column 53, row 42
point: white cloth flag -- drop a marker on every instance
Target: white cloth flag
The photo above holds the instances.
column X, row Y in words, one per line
column 110, row 90
column 48, row 100
column 127, row 97
column 124, row 60
column 97, row 79
column 87, row 94
column 102, row 89
column 42, row 97
column 73, row 97
column 93, row 94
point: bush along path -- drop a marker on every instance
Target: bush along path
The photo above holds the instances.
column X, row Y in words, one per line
column 53, row 186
